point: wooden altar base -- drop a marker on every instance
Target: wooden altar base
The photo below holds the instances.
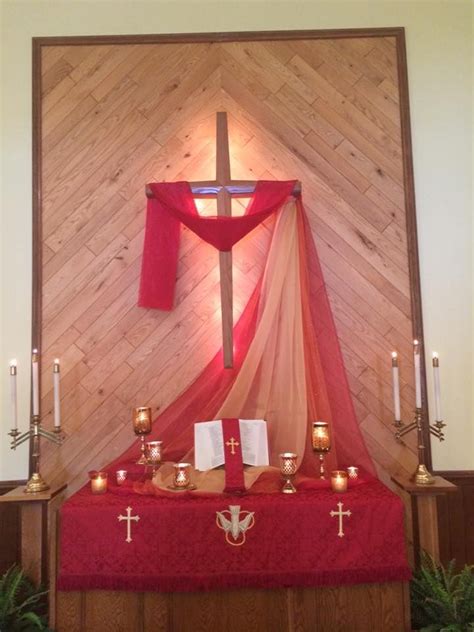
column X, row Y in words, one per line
column 356, row 608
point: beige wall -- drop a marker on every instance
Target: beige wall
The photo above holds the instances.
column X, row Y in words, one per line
column 439, row 38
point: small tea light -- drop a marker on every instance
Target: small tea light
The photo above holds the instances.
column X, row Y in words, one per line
column 339, row 481
column 182, row 475
column 98, row 482
column 353, row 472
column 121, row 476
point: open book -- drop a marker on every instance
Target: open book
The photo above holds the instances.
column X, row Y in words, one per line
column 209, row 443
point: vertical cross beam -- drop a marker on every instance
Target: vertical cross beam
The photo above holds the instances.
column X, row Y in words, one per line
column 224, row 208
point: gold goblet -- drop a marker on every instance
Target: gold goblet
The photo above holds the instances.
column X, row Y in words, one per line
column 141, row 419
column 153, row 453
column 288, row 470
column 321, row 440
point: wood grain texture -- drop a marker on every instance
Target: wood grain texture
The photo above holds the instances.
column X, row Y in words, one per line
column 329, row 111
column 343, row 609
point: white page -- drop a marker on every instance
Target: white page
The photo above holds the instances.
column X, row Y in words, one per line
column 209, row 443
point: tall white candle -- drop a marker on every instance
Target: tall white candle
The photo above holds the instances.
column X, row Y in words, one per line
column 396, row 386
column 35, row 378
column 417, row 357
column 437, row 389
column 13, row 395
column 57, row 398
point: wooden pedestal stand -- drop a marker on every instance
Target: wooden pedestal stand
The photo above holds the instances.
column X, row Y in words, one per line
column 38, row 536
column 424, row 510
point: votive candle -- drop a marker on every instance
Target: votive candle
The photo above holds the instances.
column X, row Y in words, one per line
column 339, row 481
column 353, row 472
column 121, row 476
column 182, row 474
column 99, row 482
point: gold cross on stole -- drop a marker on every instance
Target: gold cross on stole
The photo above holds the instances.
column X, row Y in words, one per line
column 232, row 443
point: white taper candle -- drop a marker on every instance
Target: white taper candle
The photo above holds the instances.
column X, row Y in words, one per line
column 396, row 386
column 35, row 380
column 57, row 397
column 437, row 389
column 13, row 394
column 417, row 358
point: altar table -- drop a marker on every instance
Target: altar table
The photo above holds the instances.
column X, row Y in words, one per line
column 175, row 543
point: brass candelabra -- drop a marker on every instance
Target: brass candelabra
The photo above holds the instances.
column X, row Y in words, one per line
column 421, row 475
column 36, row 482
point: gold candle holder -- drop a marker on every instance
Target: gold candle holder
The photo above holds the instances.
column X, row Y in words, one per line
column 182, row 475
column 339, row 481
column 288, row 470
column 153, row 453
column 121, row 476
column 353, row 472
column 321, row 441
column 141, row 419
column 98, row 482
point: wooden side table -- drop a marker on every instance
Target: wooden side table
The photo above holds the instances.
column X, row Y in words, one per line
column 38, row 535
column 424, row 511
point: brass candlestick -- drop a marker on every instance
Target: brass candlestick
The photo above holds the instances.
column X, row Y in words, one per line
column 36, row 482
column 321, row 441
column 421, row 475
column 141, row 419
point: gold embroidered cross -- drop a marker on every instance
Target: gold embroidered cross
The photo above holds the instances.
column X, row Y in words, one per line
column 232, row 443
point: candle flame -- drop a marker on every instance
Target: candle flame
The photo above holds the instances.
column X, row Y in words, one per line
column 435, row 355
column 416, row 342
column 394, row 354
column 13, row 362
column 35, row 350
column 56, row 361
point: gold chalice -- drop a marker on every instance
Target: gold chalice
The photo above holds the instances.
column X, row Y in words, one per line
column 321, row 441
column 141, row 419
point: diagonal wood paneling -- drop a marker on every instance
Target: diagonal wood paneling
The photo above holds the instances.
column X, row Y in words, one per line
column 117, row 116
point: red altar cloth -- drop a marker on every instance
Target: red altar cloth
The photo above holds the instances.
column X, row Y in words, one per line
column 177, row 545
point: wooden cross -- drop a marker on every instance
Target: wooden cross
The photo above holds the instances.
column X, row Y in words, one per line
column 223, row 188
column 129, row 519
column 232, row 443
column 340, row 513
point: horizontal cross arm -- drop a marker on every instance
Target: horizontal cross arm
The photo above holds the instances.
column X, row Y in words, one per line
column 236, row 188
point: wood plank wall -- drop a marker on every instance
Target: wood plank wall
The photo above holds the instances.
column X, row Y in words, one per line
column 113, row 117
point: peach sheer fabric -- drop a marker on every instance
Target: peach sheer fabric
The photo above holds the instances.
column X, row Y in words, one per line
column 288, row 369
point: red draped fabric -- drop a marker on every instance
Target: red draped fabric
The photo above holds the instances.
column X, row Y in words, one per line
column 328, row 394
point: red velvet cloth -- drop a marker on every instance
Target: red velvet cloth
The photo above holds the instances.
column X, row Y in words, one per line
column 173, row 203
column 177, row 546
column 234, row 465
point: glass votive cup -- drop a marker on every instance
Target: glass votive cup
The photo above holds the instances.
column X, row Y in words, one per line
column 182, row 475
column 121, row 476
column 98, row 482
column 353, row 472
column 339, row 481
column 153, row 452
column 288, row 463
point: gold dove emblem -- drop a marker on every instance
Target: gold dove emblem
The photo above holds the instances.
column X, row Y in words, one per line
column 230, row 521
